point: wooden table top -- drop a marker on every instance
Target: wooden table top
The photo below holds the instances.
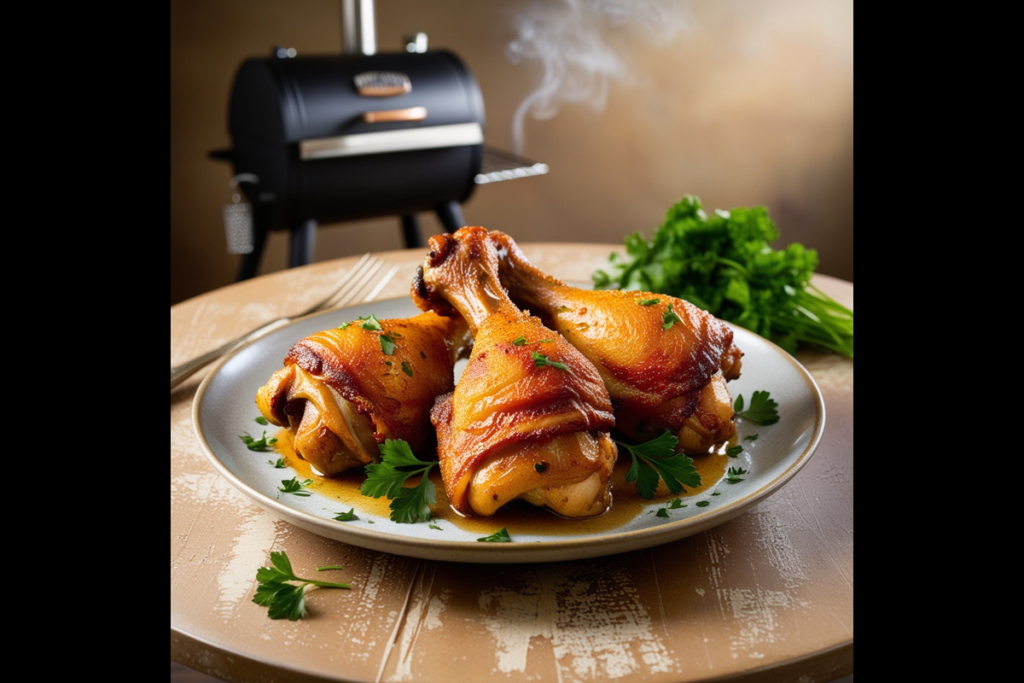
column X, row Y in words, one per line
column 767, row 596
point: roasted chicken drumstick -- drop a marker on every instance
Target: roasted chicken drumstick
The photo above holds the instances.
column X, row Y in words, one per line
column 343, row 391
column 665, row 361
column 530, row 416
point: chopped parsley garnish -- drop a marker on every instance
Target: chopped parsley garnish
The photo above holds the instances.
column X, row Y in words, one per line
column 546, row 341
column 648, row 302
column 370, row 322
column 670, row 318
column 540, row 466
column 734, row 451
column 346, row 516
column 387, row 344
column 734, row 475
column 386, row 478
column 406, row 368
column 500, row 536
column 280, row 464
column 262, row 421
column 674, row 505
column 285, row 600
column 540, row 360
column 262, row 445
column 329, row 567
column 344, row 327
column 702, row 503
column 434, row 526
column 519, row 341
column 295, row 487
column 762, row 409
column 752, row 437
column 656, row 459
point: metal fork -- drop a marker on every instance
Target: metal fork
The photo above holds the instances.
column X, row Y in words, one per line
column 353, row 282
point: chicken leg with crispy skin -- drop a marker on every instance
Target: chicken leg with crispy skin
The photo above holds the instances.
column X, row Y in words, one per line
column 342, row 395
column 665, row 361
column 530, row 416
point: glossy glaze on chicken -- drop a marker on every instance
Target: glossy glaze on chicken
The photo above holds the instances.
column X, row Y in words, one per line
column 530, row 416
column 658, row 378
column 342, row 395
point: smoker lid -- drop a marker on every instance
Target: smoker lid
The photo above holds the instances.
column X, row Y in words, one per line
column 275, row 101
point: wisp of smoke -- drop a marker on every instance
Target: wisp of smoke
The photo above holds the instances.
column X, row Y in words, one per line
column 568, row 38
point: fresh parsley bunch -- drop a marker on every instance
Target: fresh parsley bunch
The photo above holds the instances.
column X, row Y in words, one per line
column 723, row 264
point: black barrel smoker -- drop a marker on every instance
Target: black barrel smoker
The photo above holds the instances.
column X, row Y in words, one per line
column 334, row 138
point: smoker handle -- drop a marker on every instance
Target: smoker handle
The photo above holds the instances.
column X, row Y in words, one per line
column 410, row 114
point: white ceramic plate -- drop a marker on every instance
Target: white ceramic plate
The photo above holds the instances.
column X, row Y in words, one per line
column 225, row 407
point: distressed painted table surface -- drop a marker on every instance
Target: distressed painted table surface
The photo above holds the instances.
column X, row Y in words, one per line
column 766, row 596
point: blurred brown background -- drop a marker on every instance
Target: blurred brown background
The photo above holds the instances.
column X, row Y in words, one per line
column 751, row 103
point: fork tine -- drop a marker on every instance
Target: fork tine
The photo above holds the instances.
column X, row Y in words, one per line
column 380, row 285
column 360, row 283
column 352, row 283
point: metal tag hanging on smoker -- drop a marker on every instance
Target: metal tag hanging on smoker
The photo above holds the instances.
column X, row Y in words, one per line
column 238, row 226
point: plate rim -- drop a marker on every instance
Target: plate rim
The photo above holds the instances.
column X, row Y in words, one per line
column 510, row 553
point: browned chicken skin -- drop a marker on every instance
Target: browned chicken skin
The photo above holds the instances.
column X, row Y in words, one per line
column 342, row 395
column 658, row 378
column 530, row 416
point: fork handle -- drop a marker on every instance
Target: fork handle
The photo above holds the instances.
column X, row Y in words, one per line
column 182, row 372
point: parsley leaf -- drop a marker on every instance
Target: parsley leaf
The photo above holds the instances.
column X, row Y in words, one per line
column 262, row 421
column 670, row 318
column 295, row 487
column 703, row 503
column 370, row 322
column 280, row 464
column 674, row 505
column 752, row 437
column 387, row 344
column 734, row 475
column 346, row 516
column 762, row 409
column 648, row 302
column 406, row 368
column 387, row 478
column 540, row 360
column 262, row 445
column 344, row 327
column 734, row 451
column 519, row 341
column 656, row 459
column 434, row 526
column 500, row 536
column 283, row 599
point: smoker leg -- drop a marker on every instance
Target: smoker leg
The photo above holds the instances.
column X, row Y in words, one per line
column 411, row 231
column 450, row 214
column 303, row 239
column 251, row 261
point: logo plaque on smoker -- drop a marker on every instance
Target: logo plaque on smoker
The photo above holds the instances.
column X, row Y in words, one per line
column 382, row 83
